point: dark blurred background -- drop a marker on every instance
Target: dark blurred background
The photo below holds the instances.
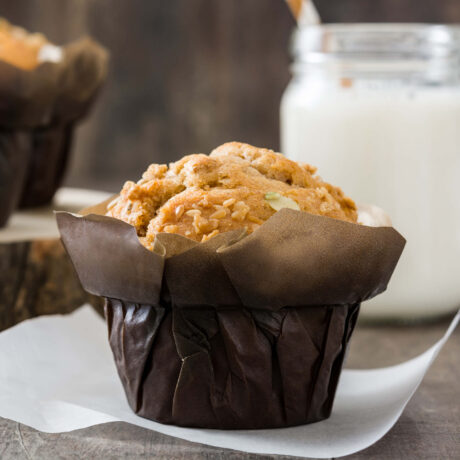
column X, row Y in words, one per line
column 187, row 75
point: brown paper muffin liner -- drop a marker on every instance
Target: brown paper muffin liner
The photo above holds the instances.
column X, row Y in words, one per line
column 239, row 332
column 45, row 103
column 14, row 158
column 49, row 154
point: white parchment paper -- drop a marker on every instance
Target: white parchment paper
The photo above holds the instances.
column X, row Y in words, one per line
column 57, row 374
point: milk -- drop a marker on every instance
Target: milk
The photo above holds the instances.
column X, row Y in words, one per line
column 397, row 147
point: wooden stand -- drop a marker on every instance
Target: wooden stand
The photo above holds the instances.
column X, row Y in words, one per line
column 36, row 275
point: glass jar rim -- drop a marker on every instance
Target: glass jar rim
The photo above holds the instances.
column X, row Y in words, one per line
column 376, row 40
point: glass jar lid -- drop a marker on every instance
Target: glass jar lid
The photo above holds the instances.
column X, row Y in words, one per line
column 415, row 48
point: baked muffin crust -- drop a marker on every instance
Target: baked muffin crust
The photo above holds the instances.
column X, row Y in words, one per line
column 18, row 47
column 200, row 196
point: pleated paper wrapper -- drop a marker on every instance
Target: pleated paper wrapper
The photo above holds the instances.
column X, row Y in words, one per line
column 240, row 332
column 42, row 106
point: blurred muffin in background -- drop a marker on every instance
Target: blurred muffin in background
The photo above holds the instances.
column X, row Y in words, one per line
column 44, row 90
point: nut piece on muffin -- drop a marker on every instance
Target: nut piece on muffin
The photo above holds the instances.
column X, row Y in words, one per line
column 25, row 50
column 236, row 186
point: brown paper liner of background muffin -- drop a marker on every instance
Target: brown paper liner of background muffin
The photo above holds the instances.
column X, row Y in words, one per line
column 43, row 104
column 239, row 332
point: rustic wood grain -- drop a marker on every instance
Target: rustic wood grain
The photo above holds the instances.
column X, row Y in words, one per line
column 37, row 278
column 187, row 75
column 431, row 11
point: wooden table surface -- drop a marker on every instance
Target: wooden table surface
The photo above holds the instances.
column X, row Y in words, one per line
column 428, row 429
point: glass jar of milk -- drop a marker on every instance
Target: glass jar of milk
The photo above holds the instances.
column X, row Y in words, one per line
column 377, row 108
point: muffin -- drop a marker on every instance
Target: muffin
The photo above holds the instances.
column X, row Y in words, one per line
column 236, row 186
column 45, row 89
column 239, row 314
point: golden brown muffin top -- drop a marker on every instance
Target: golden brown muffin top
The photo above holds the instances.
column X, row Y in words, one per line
column 18, row 47
column 236, row 186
